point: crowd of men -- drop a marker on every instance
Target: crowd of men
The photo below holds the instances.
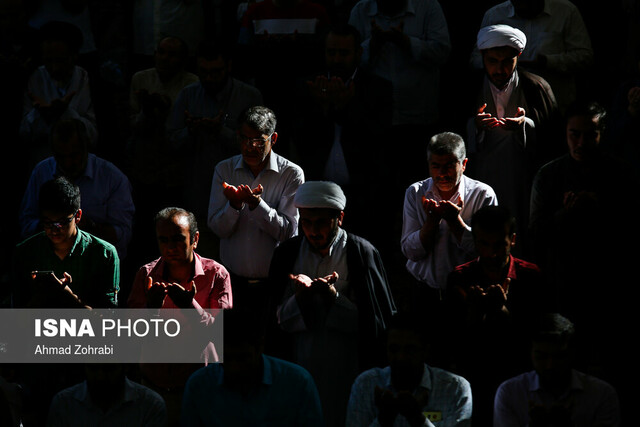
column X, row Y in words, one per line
column 252, row 157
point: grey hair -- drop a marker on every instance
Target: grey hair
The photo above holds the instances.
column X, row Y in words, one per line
column 446, row 143
column 260, row 118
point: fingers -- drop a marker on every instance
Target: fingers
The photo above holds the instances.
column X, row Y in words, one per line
column 481, row 109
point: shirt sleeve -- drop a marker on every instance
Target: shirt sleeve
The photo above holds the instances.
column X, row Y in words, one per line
column 280, row 222
column 435, row 47
column 410, row 243
column 222, row 218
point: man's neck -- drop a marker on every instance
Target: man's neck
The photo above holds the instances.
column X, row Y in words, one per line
column 63, row 249
column 180, row 272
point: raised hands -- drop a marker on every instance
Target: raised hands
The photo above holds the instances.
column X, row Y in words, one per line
column 443, row 209
column 486, row 121
column 158, row 291
column 324, row 286
column 490, row 299
column 53, row 110
column 331, row 92
column 242, row 194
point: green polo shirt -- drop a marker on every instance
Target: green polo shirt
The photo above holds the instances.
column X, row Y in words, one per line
column 93, row 264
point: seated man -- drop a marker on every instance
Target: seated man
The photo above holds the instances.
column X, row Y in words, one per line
column 180, row 278
column 408, row 392
column 107, row 397
column 107, row 199
column 249, row 387
column 555, row 394
column 85, row 266
column 336, row 300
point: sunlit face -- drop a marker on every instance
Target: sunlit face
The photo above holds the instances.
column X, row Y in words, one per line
column 174, row 240
column 58, row 59
column 493, row 248
column 60, row 228
column 341, row 55
column 499, row 64
column 320, row 226
column 406, row 355
column 71, row 155
column 583, row 137
column 255, row 146
column 213, row 73
column 446, row 172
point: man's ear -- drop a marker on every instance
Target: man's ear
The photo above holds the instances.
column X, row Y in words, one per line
column 78, row 216
column 196, row 239
column 340, row 218
column 274, row 138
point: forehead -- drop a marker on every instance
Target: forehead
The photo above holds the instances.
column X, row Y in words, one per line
column 500, row 53
column 582, row 122
column 54, row 215
column 342, row 42
column 250, row 132
column 311, row 214
column 177, row 224
column 442, row 159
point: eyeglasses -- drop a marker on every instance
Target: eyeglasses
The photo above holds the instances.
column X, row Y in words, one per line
column 47, row 224
column 254, row 142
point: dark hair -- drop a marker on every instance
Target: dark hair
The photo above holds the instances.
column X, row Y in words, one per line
column 59, row 195
column 170, row 212
column 446, row 143
column 494, row 219
column 591, row 109
column 64, row 129
column 551, row 327
column 259, row 118
column 346, row 30
column 65, row 32
column 184, row 48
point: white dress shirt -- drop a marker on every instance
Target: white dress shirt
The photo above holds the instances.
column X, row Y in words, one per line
column 248, row 237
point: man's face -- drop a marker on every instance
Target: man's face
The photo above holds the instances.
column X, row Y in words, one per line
column 446, row 172
column 213, row 74
column 583, row 137
column 320, row 226
column 174, row 240
column 168, row 58
column 255, row 146
column 58, row 60
column 499, row 64
column 71, row 155
column 552, row 362
column 493, row 247
column 341, row 55
column 406, row 355
column 60, row 228
column 242, row 364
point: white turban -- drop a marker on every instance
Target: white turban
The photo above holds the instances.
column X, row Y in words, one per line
column 320, row 194
column 501, row 35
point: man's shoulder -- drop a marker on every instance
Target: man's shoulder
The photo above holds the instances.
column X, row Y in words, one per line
column 245, row 88
column 361, row 243
column 209, row 264
column 444, row 377
column 373, row 376
column 286, row 166
column 474, row 186
column 98, row 245
column 523, row 265
column 107, row 168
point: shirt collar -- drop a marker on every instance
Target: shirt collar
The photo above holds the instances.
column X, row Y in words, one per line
column 89, row 170
column 81, row 394
column 574, row 384
column 272, row 163
column 425, row 381
column 409, row 9
column 546, row 10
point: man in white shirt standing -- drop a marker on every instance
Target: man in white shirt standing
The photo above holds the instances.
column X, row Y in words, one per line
column 436, row 236
column 251, row 206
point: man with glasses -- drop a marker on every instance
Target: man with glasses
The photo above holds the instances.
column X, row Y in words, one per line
column 251, row 206
column 80, row 269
